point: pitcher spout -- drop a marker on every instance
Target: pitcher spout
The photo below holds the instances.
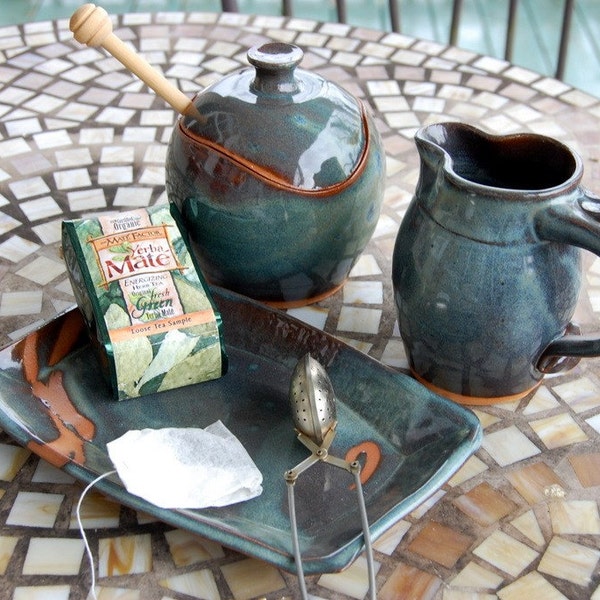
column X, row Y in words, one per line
column 496, row 164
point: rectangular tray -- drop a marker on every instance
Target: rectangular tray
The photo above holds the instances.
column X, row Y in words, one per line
column 54, row 401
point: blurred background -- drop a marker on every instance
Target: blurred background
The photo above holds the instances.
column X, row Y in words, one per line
column 482, row 27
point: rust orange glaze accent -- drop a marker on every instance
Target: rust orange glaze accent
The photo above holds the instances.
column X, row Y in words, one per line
column 73, row 428
column 71, row 327
column 373, row 454
column 473, row 400
column 275, row 179
column 283, row 304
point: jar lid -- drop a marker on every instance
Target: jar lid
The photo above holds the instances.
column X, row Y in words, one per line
column 284, row 123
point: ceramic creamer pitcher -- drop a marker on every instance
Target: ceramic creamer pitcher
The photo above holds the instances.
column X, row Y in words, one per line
column 486, row 266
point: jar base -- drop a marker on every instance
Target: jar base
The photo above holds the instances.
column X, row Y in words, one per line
column 474, row 400
column 285, row 304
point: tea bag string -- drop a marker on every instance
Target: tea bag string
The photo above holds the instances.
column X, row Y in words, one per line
column 88, row 550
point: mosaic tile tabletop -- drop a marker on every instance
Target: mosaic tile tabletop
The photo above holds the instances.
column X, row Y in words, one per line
column 80, row 135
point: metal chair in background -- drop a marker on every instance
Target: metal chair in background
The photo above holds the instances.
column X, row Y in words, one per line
column 394, row 11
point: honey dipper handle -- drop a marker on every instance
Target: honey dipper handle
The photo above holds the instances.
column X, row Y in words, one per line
column 92, row 26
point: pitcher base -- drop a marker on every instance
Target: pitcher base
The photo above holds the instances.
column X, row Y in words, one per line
column 474, row 400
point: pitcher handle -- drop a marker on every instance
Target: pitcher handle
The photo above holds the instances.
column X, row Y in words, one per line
column 577, row 223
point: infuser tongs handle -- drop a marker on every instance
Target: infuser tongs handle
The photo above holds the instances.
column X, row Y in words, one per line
column 354, row 467
column 318, row 454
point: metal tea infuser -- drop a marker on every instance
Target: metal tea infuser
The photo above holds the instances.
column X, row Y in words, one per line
column 312, row 401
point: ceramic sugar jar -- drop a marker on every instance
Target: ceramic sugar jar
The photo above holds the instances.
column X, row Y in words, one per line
column 280, row 180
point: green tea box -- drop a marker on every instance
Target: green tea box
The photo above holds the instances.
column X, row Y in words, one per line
column 151, row 318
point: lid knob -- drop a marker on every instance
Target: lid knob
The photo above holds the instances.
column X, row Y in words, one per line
column 275, row 63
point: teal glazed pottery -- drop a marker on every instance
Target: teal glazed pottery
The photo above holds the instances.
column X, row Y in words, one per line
column 486, row 265
column 53, row 402
column 280, row 183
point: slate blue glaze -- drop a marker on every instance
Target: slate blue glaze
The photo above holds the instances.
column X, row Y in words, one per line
column 486, row 265
column 423, row 439
column 280, row 185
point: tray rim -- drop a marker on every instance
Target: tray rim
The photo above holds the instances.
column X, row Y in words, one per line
column 333, row 562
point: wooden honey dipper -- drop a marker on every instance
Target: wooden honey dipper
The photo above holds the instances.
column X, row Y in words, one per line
column 92, row 26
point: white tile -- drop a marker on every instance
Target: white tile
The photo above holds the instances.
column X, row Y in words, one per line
column 52, row 139
column 17, row 248
column 82, row 201
column 117, row 154
column 353, row 581
column 53, row 556
column 48, row 233
column 363, row 292
column 42, row 592
column 115, row 175
column 197, row 584
column 27, row 188
column 7, row 223
column 40, row 208
column 505, row 553
column 313, row 315
column 568, row 560
column 72, row 178
column 42, row 270
column 14, row 304
column 47, row 473
column 76, row 157
column 12, row 458
column 359, row 320
column 35, row 509
column 508, row 446
column 133, row 196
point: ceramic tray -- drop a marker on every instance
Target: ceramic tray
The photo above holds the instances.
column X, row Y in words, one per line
column 53, row 400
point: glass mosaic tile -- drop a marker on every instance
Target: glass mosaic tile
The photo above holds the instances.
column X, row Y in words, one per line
column 505, row 553
column 124, row 555
column 440, row 543
column 352, row 582
column 42, row 592
column 7, row 548
column 410, row 581
column 249, row 578
column 558, row 430
column 587, row 468
column 197, row 584
column 574, row 517
column 484, row 504
column 12, row 458
column 477, row 577
column 569, row 560
column 509, row 445
column 529, row 526
column 53, row 556
column 96, row 511
column 34, row 509
column 533, row 481
column 188, row 549
column 532, row 585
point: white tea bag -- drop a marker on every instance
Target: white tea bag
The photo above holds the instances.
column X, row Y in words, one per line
column 186, row 467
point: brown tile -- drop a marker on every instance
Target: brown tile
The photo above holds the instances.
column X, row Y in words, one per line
column 587, row 468
column 409, row 582
column 484, row 504
column 534, row 481
column 440, row 543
